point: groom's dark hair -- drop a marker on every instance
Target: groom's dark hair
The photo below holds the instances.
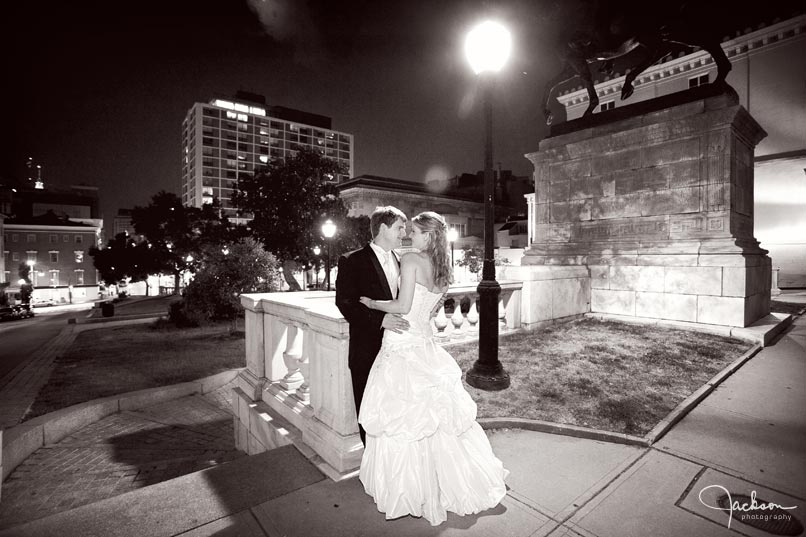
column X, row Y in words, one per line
column 384, row 215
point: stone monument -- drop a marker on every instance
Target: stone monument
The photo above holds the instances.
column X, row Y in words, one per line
column 647, row 211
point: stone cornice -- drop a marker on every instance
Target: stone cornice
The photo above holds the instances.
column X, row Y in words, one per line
column 697, row 62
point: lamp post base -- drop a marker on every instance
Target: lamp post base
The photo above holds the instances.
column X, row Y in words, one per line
column 488, row 372
column 488, row 378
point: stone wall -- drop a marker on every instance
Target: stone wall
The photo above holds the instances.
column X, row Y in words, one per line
column 657, row 205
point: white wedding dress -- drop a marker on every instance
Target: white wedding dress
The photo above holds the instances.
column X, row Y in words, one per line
column 425, row 453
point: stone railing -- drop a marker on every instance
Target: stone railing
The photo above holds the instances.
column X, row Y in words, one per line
column 296, row 387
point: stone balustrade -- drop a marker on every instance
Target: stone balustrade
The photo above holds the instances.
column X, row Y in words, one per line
column 296, row 387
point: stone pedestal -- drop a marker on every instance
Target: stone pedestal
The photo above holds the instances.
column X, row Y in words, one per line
column 657, row 205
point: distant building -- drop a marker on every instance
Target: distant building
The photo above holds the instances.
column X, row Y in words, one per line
column 228, row 137
column 57, row 249
column 769, row 75
column 122, row 223
column 463, row 209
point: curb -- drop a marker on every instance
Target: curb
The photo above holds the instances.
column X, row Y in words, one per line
column 20, row 441
column 104, row 320
column 563, row 429
column 695, row 398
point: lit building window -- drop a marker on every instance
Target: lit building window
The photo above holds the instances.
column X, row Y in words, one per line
column 79, row 276
column 31, row 255
column 79, row 256
column 54, row 277
column 15, row 256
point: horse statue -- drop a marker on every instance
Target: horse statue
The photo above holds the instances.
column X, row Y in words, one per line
column 607, row 31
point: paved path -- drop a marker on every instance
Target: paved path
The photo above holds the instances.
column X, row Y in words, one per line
column 120, row 453
column 18, row 388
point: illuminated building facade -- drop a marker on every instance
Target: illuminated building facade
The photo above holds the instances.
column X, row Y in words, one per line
column 228, row 137
column 768, row 74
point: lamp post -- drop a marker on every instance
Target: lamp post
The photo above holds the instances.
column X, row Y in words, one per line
column 316, row 252
column 328, row 230
column 487, row 48
column 452, row 236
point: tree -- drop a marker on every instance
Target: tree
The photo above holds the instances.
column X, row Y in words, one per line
column 243, row 267
column 289, row 200
column 124, row 258
column 179, row 236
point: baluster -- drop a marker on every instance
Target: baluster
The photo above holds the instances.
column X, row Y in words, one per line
column 304, row 391
column 473, row 314
column 292, row 355
column 457, row 319
column 441, row 321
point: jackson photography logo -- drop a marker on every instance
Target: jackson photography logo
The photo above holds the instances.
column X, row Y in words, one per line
column 767, row 516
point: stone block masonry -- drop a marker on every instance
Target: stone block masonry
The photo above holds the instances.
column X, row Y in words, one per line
column 657, row 208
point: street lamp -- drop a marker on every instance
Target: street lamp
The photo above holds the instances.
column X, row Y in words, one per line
column 316, row 252
column 452, row 236
column 487, row 48
column 328, row 230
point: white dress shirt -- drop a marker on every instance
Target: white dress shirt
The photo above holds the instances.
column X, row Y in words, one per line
column 389, row 264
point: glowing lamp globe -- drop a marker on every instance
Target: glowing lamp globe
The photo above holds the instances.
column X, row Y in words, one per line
column 487, row 47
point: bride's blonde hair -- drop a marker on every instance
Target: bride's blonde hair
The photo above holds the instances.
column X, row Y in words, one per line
column 435, row 227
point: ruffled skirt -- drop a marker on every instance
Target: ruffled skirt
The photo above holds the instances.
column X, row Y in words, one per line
column 425, row 453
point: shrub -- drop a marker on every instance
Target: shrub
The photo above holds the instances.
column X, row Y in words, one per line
column 214, row 294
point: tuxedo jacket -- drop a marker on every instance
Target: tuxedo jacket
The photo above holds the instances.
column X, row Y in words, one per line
column 361, row 274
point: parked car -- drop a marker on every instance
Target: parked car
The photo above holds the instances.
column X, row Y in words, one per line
column 7, row 313
column 40, row 302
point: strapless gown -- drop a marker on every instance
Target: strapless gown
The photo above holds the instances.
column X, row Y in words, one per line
column 425, row 454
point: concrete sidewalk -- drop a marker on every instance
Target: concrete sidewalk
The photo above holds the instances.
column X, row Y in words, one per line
column 747, row 435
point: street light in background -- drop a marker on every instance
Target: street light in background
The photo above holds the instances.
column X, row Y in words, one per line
column 328, row 230
column 487, row 48
column 452, row 236
column 316, row 252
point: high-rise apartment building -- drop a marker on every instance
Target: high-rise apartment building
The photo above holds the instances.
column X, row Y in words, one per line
column 229, row 137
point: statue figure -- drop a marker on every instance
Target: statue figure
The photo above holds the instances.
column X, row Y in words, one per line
column 603, row 31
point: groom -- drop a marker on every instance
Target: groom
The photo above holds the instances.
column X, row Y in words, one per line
column 371, row 271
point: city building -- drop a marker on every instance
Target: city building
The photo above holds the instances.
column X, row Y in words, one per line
column 769, row 75
column 122, row 223
column 228, row 137
column 57, row 250
column 463, row 209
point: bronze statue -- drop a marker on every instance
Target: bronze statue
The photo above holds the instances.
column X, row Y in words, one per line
column 604, row 31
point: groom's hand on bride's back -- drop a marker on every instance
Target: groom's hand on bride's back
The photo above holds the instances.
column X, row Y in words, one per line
column 395, row 323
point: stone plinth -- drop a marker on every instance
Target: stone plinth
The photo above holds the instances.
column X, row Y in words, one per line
column 657, row 205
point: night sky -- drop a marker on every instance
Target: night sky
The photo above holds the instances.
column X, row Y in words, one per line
column 96, row 93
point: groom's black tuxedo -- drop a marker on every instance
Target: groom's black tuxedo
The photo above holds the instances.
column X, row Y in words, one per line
column 360, row 274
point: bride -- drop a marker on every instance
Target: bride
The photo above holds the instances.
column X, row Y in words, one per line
column 425, row 454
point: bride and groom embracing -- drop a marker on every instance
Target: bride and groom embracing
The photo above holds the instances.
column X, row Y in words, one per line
column 424, row 453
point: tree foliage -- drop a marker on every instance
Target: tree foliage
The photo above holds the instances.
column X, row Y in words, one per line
column 289, row 201
column 243, row 267
column 124, row 258
column 178, row 236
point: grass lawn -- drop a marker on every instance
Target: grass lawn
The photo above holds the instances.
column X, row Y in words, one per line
column 111, row 361
column 606, row 375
